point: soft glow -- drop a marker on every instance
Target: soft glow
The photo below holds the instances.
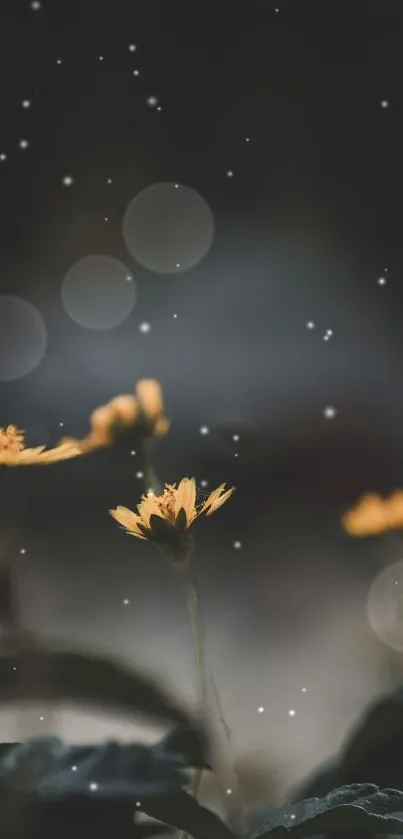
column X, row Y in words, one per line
column 95, row 292
column 168, row 228
column 23, row 338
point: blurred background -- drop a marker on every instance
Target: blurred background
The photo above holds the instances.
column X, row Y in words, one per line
column 210, row 195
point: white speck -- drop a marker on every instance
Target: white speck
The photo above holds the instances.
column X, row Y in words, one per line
column 36, row 5
column 101, row 58
column 150, row 491
column 310, row 324
column 175, row 316
column 26, row 103
column 292, row 816
column 291, row 712
column 260, row 709
column 144, row 326
column 126, row 602
column 132, row 47
column 247, row 139
column 136, row 72
column 93, row 786
column 152, row 101
column 132, row 452
column 276, row 11
column 3, row 157
column 23, row 551
column 138, row 803
column 109, row 181
column 237, row 545
column 23, row 144
column 177, row 265
column 203, row 483
column 381, row 281
column 41, row 719
column 230, row 173
column 384, row 103
column 74, row 768
column 159, row 108
column 235, row 438
column 204, row 430
column 329, row 412
column 229, row 791
column 139, row 475
column 61, row 424
column 67, row 180
column 236, row 454
column 58, row 61
column 176, row 186
column 106, row 218
column 129, row 278
column 328, row 334
column 14, row 668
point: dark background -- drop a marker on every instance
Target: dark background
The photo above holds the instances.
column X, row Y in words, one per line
column 309, row 222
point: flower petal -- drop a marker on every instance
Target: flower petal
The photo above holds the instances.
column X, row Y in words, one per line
column 219, row 501
column 129, row 520
column 186, row 497
column 212, row 498
column 148, row 507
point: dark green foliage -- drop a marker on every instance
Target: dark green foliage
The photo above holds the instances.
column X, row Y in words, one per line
column 44, row 673
column 358, row 808
column 372, row 752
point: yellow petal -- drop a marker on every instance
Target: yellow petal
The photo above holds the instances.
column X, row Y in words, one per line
column 124, row 409
column 128, row 520
column 394, row 510
column 186, row 497
column 218, row 502
column 212, row 498
column 148, row 507
column 149, row 395
column 367, row 518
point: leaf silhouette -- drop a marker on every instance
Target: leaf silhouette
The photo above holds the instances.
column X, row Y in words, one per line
column 181, row 810
column 372, row 751
column 190, row 743
column 49, row 788
column 29, row 671
column 358, row 808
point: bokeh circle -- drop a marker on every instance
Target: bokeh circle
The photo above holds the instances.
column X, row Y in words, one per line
column 168, row 228
column 98, row 292
column 23, row 337
column 385, row 606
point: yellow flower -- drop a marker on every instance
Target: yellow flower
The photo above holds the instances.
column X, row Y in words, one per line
column 14, row 453
column 167, row 518
column 373, row 515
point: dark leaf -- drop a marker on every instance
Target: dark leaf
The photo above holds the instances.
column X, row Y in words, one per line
column 49, row 675
column 358, row 808
column 181, row 810
column 55, row 771
column 372, row 752
column 188, row 742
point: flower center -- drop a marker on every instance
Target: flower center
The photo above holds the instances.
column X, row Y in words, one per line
column 166, row 503
column 11, row 440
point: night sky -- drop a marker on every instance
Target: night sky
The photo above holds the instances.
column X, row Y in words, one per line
column 210, row 194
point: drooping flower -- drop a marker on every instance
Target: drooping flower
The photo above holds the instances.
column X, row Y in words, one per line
column 167, row 518
column 13, row 451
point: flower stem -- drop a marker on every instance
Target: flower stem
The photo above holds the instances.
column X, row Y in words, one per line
column 222, row 768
